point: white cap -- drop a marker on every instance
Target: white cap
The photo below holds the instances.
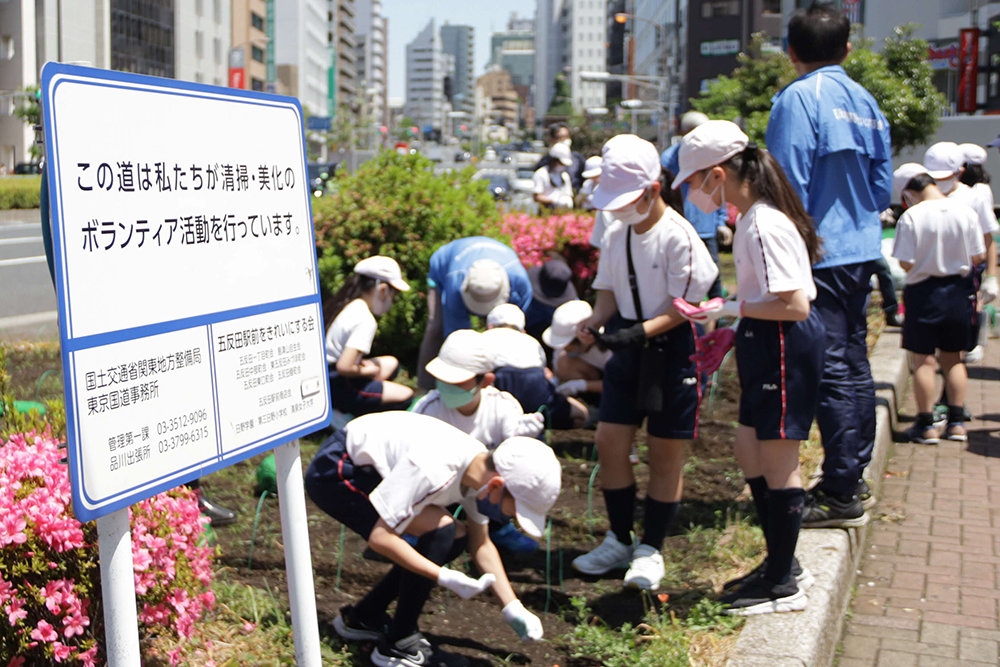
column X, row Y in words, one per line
column 562, row 153
column 383, row 268
column 564, row 320
column 506, row 315
column 710, row 144
column 532, row 474
column 904, row 175
column 485, row 287
column 691, row 120
column 973, row 153
column 592, row 167
column 630, row 166
column 463, row 356
column 943, row 159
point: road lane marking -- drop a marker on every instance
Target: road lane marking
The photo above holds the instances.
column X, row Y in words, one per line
column 28, row 320
column 22, row 260
column 21, row 239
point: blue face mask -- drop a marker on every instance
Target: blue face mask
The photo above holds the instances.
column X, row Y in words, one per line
column 491, row 510
column 455, row 397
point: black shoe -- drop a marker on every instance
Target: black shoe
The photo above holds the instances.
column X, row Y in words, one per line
column 826, row 510
column 803, row 577
column 893, row 319
column 864, row 494
column 351, row 628
column 918, row 434
column 414, row 651
column 218, row 516
column 763, row 596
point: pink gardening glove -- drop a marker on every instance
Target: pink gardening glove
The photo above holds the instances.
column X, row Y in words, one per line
column 694, row 313
column 712, row 349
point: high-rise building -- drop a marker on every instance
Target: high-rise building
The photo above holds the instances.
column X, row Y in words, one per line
column 497, row 86
column 426, row 71
column 143, row 37
column 301, row 51
column 341, row 16
column 249, row 36
column 202, row 33
column 373, row 64
column 458, row 41
column 514, row 50
column 570, row 37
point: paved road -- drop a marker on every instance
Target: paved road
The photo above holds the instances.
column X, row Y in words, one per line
column 27, row 298
column 929, row 585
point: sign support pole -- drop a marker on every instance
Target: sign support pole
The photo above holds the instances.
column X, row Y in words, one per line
column 298, row 559
column 121, row 622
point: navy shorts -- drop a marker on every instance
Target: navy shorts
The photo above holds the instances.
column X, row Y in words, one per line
column 357, row 396
column 678, row 418
column 780, row 365
column 940, row 315
column 533, row 392
column 340, row 488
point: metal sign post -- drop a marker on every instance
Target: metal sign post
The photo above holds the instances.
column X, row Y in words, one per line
column 189, row 305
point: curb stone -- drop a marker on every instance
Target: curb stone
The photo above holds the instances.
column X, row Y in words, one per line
column 20, row 216
column 809, row 638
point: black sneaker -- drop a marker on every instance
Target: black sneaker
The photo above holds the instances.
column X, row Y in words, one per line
column 864, row 494
column 763, row 596
column 825, row 510
column 217, row 515
column 352, row 628
column 803, row 577
column 893, row 318
column 414, row 651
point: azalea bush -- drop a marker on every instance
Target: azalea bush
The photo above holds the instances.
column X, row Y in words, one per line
column 568, row 234
column 50, row 589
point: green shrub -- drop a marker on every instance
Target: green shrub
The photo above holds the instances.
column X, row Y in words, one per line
column 29, row 376
column 394, row 205
column 20, row 192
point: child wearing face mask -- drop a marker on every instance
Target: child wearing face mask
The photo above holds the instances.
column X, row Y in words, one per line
column 649, row 257
column 466, row 399
column 553, row 185
column 359, row 385
column 780, row 345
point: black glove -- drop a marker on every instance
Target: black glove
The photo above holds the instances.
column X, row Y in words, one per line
column 632, row 336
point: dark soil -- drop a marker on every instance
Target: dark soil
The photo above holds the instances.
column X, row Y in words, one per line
column 475, row 627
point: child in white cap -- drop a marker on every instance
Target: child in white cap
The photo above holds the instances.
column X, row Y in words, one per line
column 938, row 242
column 974, row 175
column 651, row 258
column 466, row 399
column 780, row 344
column 577, row 366
column 359, row 385
column 602, row 219
column 394, row 473
column 553, row 186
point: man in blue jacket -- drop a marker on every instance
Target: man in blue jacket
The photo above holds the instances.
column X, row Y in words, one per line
column 833, row 143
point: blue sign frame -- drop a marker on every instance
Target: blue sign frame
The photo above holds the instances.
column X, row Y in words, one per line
column 71, row 344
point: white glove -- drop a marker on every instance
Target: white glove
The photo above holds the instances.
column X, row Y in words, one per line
column 726, row 309
column 572, row 387
column 990, row 289
column 724, row 234
column 465, row 586
column 530, row 425
column 525, row 624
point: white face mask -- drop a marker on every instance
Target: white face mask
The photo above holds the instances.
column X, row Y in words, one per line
column 630, row 215
column 705, row 201
column 568, row 142
column 946, row 185
column 383, row 302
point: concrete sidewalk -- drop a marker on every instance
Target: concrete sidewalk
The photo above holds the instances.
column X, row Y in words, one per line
column 929, row 584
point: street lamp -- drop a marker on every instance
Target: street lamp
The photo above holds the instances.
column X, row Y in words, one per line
column 671, row 77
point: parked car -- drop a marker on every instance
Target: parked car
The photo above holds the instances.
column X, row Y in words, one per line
column 499, row 186
column 319, row 174
column 490, row 155
column 463, row 156
column 524, row 179
column 25, row 168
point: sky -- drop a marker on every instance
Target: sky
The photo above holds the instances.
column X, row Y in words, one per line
column 408, row 17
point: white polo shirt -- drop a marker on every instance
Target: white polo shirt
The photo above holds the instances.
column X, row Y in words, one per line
column 595, row 356
column 980, row 202
column 670, row 262
column 513, row 348
column 939, row 236
column 421, row 461
column 494, row 421
column 353, row 327
column 603, row 220
column 561, row 195
column 770, row 255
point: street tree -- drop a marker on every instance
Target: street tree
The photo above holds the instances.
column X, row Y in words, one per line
column 28, row 108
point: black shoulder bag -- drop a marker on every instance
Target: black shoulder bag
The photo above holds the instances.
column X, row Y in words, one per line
column 654, row 359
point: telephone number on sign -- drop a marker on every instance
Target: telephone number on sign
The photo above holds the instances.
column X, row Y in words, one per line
column 181, row 422
column 181, row 439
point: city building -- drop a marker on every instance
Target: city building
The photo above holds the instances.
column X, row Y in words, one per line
column 427, row 68
column 202, row 33
column 342, row 45
column 372, row 62
column 301, row 55
column 570, row 37
column 248, row 55
column 514, row 51
column 617, row 56
column 498, row 88
column 142, row 37
column 458, row 41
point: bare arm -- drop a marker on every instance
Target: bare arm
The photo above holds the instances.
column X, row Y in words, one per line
column 661, row 323
column 353, row 364
column 604, row 309
column 385, row 541
column 487, row 558
column 990, row 257
column 790, row 306
column 906, row 266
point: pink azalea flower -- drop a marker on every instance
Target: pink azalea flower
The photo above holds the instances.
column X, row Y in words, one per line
column 16, row 662
column 75, row 625
column 15, row 610
column 61, row 651
column 87, row 657
column 44, row 632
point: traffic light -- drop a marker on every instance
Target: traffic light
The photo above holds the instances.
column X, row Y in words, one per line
column 463, row 128
column 383, row 129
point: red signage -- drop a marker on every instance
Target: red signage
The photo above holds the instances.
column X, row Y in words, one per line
column 237, row 77
column 968, row 69
column 944, row 56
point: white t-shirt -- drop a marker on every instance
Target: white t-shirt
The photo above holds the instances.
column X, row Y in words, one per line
column 560, row 196
column 980, row 202
column 421, row 461
column 594, row 356
column 353, row 327
column 494, row 421
column 513, row 348
column 939, row 236
column 770, row 255
column 587, row 190
column 670, row 262
column 603, row 221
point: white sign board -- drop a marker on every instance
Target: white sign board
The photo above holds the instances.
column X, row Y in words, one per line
column 189, row 304
column 720, row 47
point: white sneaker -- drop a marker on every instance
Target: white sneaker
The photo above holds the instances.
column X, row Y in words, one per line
column 975, row 355
column 646, row 570
column 609, row 555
